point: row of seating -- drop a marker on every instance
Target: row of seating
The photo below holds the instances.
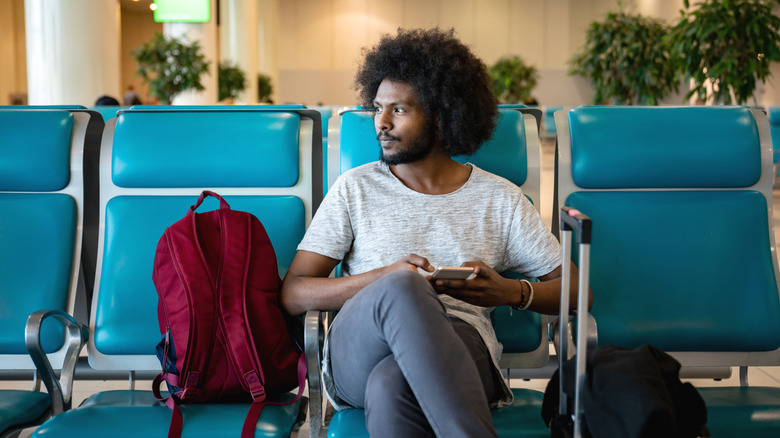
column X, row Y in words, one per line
column 678, row 196
column 148, row 166
column 126, row 173
column 684, row 251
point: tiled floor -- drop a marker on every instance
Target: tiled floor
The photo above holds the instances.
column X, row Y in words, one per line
column 759, row 376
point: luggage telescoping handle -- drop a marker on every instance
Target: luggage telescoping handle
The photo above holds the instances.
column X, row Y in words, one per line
column 573, row 220
column 222, row 203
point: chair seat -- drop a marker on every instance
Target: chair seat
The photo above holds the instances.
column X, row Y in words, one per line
column 742, row 411
column 18, row 407
column 348, row 423
column 521, row 419
column 138, row 413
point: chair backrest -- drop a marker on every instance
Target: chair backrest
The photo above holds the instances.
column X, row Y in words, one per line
column 683, row 254
column 774, row 128
column 88, row 166
column 41, row 224
column 513, row 152
column 109, row 111
column 326, row 112
column 548, row 120
column 153, row 165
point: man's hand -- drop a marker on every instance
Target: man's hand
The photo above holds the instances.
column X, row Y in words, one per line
column 411, row 263
column 487, row 289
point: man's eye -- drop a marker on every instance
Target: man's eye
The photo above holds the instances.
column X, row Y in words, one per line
column 400, row 110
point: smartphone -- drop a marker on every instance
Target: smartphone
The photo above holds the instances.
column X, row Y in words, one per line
column 453, row 273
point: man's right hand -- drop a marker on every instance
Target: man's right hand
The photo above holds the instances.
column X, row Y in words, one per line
column 411, row 263
column 307, row 286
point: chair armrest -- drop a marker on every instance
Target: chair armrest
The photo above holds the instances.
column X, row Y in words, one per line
column 60, row 391
column 313, row 340
column 592, row 339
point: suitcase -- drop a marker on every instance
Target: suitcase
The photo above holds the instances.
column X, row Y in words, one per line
column 570, row 418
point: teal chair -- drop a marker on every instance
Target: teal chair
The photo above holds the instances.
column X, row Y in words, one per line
column 90, row 136
column 153, row 165
column 774, row 127
column 326, row 112
column 109, row 111
column 684, row 245
column 548, row 121
column 525, row 109
column 46, row 107
column 513, row 152
column 41, row 223
column 217, row 107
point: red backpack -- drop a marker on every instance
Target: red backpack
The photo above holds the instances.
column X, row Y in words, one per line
column 225, row 336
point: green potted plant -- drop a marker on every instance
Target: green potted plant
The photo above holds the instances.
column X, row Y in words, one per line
column 170, row 66
column 231, row 79
column 626, row 60
column 513, row 79
column 725, row 47
column 264, row 88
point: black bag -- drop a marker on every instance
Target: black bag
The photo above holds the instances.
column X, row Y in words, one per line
column 627, row 393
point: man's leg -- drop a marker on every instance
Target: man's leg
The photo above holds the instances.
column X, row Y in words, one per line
column 392, row 410
column 488, row 374
column 401, row 315
column 391, row 406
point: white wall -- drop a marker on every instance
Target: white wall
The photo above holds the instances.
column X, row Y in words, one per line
column 320, row 40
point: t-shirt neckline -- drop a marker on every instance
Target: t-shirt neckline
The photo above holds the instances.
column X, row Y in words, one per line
column 386, row 168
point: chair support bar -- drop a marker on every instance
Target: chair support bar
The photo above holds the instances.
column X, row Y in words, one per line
column 313, row 343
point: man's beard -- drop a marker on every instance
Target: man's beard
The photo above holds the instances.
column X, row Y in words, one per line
column 417, row 148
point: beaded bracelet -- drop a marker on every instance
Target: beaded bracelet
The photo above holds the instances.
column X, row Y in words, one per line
column 525, row 304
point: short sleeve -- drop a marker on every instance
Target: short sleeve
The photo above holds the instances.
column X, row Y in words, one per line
column 532, row 249
column 330, row 231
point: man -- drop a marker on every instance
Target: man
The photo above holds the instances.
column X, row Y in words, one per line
column 420, row 354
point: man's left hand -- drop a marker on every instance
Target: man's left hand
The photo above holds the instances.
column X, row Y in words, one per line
column 487, row 289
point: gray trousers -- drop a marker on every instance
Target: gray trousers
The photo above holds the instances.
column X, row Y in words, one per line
column 396, row 353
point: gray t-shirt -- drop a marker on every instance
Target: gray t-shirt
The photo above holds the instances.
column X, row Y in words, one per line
column 370, row 219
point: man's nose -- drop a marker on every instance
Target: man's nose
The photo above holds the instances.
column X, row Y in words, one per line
column 382, row 122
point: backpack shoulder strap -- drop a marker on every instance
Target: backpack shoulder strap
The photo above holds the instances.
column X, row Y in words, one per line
column 250, row 423
column 236, row 249
column 191, row 266
column 231, row 289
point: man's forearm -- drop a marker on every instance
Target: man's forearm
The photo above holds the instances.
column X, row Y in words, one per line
column 300, row 293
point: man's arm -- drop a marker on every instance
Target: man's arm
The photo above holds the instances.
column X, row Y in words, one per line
column 307, row 286
column 549, row 290
column 490, row 289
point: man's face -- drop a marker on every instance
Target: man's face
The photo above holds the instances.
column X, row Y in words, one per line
column 401, row 126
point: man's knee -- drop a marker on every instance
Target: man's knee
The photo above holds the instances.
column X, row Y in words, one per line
column 403, row 285
column 406, row 279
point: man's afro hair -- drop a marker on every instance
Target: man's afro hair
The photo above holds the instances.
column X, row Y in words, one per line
column 451, row 83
